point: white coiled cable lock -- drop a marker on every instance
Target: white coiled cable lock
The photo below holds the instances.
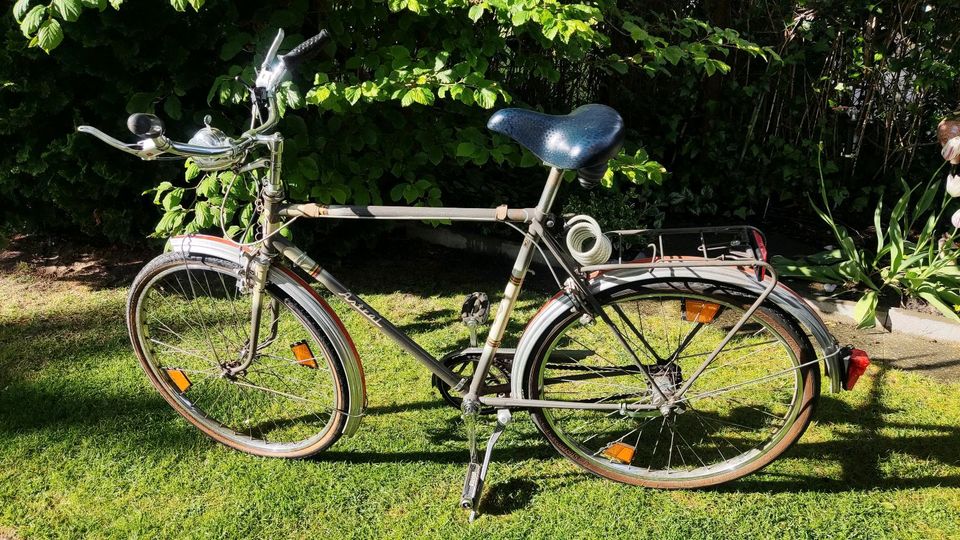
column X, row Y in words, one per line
column 584, row 230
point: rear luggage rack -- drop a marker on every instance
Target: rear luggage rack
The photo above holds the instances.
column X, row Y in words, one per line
column 727, row 243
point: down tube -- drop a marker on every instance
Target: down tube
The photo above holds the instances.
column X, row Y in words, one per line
column 310, row 266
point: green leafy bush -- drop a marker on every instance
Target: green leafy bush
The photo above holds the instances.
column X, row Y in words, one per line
column 405, row 88
column 912, row 256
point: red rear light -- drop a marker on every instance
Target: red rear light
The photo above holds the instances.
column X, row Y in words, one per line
column 856, row 367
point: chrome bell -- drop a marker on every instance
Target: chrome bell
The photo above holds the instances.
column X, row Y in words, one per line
column 211, row 136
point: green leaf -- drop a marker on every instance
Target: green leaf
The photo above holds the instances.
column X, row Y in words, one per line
column 370, row 89
column 865, row 311
column 318, row 95
column 419, row 94
column 309, row 169
column 934, row 300
column 877, row 217
column 353, row 94
column 475, row 12
column 20, row 9
column 709, row 67
column 192, row 170
column 466, row 149
column 50, row 35
column 339, row 194
column 673, row 54
column 171, row 107
column 209, row 186
column 293, row 97
column 172, row 199
column 204, row 214
column 234, row 44
column 68, row 10
column 32, row 20
column 485, row 97
column 160, row 190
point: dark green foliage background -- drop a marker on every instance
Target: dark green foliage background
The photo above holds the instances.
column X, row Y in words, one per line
column 736, row 127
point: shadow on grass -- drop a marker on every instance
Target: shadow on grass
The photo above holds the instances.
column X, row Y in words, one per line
column 60, row 341
column 861, row 452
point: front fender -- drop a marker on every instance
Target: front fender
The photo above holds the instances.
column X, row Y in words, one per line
column 315, row 306
column 782, row 297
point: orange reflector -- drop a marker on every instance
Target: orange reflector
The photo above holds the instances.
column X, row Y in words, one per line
column 179, row 378
column 700, row 312
column 303, row 354
column 619, row 452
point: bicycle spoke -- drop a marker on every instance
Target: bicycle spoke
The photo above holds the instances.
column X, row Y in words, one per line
column 737, row 409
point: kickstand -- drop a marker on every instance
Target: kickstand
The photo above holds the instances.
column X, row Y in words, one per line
column 477, row 472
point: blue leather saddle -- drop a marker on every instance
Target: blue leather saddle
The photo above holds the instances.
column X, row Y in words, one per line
column 584, row 139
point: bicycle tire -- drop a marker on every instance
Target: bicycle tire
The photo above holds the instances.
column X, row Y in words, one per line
column 290, row 316
column 800, row 411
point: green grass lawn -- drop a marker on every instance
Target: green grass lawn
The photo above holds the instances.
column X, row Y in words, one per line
column 88, row 449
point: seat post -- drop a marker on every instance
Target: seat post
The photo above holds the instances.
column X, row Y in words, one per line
column 549, row 192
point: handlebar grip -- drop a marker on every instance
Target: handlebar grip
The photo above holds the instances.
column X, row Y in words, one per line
column 145, row 126
column 305, row 50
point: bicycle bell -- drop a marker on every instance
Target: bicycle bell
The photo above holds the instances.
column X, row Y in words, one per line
column 211, row 136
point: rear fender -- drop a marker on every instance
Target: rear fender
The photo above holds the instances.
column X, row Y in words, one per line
column 315, row 306
column 787, row 301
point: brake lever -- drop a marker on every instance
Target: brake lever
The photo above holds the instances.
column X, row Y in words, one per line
column 272, row 52
column 146, row 149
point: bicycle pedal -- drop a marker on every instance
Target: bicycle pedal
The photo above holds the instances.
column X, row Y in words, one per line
column 471, row 487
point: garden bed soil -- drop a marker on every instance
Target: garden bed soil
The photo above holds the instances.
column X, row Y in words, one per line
column 70, row 262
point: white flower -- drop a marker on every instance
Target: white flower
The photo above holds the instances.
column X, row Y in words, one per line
column 956, row 219
column 951, row 150
column 953, row 185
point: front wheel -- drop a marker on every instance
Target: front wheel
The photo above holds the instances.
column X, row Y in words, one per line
column 189, row 322
column 745, row 409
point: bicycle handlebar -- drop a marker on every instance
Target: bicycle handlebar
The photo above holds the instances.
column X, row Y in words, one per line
column 151, row 129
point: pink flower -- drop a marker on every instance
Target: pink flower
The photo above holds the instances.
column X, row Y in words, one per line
column 951, row 150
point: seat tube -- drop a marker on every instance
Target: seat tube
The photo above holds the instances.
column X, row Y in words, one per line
column 512, row 290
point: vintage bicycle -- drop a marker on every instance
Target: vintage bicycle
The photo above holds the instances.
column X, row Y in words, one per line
column 647, row 367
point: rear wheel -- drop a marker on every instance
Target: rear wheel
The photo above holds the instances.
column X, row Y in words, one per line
column 189, row 322
column 744, row 410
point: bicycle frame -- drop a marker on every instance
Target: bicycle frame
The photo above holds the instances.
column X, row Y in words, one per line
column 533, row 216
column 274, row 210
